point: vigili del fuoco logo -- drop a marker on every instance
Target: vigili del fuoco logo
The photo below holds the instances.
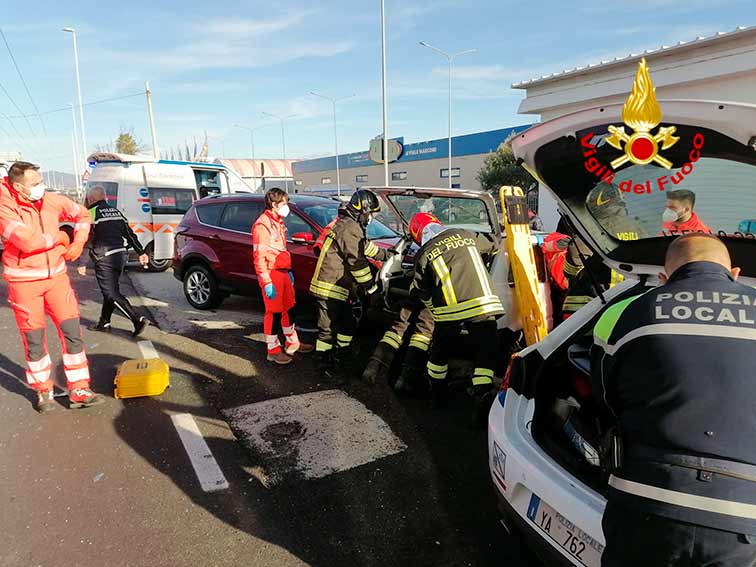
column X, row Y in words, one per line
column 645, row 143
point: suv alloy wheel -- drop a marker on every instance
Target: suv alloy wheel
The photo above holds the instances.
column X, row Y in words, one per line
column 201, row 288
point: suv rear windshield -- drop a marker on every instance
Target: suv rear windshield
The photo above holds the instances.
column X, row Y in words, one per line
column 466, row 213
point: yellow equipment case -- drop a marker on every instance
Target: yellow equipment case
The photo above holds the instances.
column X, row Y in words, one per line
column 143, row 377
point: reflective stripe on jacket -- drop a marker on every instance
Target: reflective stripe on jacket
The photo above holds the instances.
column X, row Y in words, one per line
column 451, row 278
column 343, row 261
column 269, row 246
column 29, row 232
column 110, row 233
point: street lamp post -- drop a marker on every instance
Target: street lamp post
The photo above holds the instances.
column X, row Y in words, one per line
column 252, row 145
column 450, row 57
column 283, row 141
column 78, row 90
column 333, row 101
column 384, row 95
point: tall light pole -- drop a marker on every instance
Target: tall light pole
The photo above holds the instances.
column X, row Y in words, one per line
column 78, row 90
column 252, row 145
column 450, row 57
column 283, row 140
column 333, row 101
column 384, row 94
column 77, row 163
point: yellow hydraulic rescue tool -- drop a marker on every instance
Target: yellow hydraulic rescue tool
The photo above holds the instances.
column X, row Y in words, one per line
column 514, row 208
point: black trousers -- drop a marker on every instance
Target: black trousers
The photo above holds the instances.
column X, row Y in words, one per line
column 336, row 324
column 636, row 538
column 108, row 271
column 411, row 314
column 445, row 337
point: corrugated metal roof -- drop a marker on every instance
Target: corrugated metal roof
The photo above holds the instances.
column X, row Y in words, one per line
column 631, row 56
column 259, row 168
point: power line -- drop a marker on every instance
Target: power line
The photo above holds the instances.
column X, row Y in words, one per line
column 68, row 108
column 23, row 81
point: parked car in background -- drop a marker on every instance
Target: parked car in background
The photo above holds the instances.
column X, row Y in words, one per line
column 213, row 253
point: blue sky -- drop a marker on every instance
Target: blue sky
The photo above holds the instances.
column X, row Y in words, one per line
column 213, row 64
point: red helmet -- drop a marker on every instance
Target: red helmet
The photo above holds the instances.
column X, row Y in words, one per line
column 418, row 223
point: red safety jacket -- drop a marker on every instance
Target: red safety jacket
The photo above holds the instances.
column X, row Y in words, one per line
column 269, row 246
column 693, row 224
column 554, row 258
column 29, row 232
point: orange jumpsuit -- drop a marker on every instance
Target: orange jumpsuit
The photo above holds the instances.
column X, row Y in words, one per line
column 38, row 284
column 272, row 265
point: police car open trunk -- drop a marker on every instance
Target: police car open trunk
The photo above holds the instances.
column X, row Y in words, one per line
column 631, row 178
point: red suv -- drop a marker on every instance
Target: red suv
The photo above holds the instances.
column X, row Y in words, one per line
column 213, row 252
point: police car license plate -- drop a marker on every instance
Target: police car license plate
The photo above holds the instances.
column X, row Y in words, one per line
column 584, row 549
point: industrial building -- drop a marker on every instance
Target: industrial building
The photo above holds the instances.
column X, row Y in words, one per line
column 261, row 174
column 421, row 164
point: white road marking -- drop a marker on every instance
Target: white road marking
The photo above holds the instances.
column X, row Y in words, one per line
column 148, row 350
column 205, row 466
column 312, row 435
column 216, row 325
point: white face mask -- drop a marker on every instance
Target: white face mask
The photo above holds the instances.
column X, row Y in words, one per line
column 670, row 215
column 37, row 192
column 283, row 211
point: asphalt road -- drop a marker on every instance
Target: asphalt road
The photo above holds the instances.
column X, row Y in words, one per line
column 391, row 481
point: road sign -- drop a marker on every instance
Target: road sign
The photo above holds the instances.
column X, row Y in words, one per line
column 395, row 149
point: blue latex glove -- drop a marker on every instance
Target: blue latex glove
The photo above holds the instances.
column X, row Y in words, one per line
column 270, row 291
column 291, row 277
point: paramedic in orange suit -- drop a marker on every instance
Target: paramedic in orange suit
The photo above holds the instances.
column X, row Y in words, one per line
column 34, row 265
column 273, row 267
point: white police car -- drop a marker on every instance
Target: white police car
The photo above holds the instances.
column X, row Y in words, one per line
column 615, row 182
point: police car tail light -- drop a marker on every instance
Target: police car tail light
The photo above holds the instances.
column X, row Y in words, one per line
column 508, row 374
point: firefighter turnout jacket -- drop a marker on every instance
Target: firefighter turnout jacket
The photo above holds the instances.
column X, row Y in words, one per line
column 269, row 246
column 343, row 261
column 111, row 232
column 675, row 368
column 29, row 233
column 451, row 278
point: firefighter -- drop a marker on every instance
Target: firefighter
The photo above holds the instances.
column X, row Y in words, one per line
column 411, row 313
column 273, row 267
column 107, row 249
column 452, row 281
column 342, row 266
column 34, row 261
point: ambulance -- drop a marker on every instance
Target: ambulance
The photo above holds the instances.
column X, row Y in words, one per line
column 154, row 194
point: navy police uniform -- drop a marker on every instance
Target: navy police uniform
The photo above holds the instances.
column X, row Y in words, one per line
column 675, row 366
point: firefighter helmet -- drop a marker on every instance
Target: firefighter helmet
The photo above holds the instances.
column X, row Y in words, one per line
column 417, row 225
column 362, row 204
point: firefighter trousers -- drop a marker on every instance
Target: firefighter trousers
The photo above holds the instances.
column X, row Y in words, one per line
column 445, row 338
column 108, row 271
column 410, row 314
column 336, row 324
column 31, row 303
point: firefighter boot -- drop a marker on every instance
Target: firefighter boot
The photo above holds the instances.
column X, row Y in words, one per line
column 411, row 381
column 84, row 398
column 45, row 401
column 327, row 367
column 439, row 393
column 483, row 396
column 375, row 370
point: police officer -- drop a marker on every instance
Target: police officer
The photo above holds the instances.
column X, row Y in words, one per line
column 452, row 281
column 674, row 367
column 343, row 266
column 107, row 248
column 412, row 313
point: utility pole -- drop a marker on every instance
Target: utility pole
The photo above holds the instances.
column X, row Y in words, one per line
column 283, row 142
column 333, row 101
column 385, row 96
column 450, row 59
column 78, row 89
column 155, row 151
